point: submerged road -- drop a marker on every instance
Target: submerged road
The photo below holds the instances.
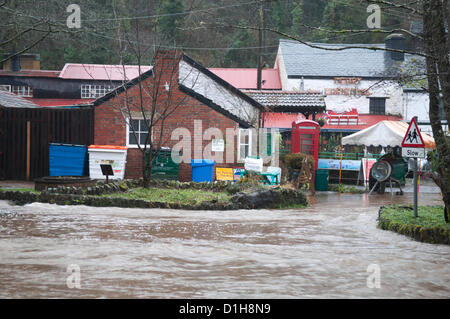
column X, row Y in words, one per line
column 328, row 250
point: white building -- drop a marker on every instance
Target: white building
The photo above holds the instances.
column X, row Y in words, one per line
column 352, row 79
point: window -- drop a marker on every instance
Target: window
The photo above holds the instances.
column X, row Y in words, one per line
column 19, row 90
column 6, row 88
column 377, row 105
column 94, row 91
column 307, row 144
column 137, row 132
column 269, row 144
column 244, row 144
column 24, row 91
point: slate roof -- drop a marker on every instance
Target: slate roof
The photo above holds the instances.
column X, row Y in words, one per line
column 302, row 60
column 290, row 101
column 8, row 99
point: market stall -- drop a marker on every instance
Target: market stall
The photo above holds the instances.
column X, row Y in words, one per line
column 384, row 134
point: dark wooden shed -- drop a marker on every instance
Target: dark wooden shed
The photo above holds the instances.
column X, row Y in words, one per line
column 27, row 131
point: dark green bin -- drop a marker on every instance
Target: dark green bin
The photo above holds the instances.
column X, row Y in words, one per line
column 163, row 166
column 321, row 182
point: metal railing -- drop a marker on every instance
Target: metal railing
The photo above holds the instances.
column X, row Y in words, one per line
column 337, row 155
column 346, row 156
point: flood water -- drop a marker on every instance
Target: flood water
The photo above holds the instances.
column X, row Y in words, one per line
column 322, row 251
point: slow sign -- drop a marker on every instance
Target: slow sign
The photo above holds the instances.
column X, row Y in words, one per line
column 413, row 152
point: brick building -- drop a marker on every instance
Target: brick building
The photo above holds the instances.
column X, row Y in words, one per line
column 188, row 104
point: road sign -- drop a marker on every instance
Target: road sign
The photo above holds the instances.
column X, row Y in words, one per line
column 414, row 147
column 413, row 138
column 413, row 152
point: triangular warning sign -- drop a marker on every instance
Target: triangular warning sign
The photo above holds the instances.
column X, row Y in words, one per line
column 413, row 138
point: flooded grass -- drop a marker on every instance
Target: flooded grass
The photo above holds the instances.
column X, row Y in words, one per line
column 429, row 226
column 183, row 196
column 428, row 217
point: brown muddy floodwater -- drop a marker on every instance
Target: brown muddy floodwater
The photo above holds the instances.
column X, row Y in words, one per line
column 322, row 251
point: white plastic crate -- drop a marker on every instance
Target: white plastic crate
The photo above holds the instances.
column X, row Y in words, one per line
column 111, row 155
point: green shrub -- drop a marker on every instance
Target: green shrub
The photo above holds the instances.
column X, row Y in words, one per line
column 294, row 161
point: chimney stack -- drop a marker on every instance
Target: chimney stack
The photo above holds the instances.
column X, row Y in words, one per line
column 15, row 63
column 396, row 41
column 24, row 61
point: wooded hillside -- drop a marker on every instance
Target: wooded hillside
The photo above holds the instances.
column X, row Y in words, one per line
column 202, row 28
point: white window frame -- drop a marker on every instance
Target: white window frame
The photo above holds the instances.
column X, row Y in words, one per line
column 5, row 87
column 89, row 91
column 129, row 131
column 22, row 90
column 239, row 159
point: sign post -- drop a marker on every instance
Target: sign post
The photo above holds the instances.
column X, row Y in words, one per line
column 413, row 146
column 107, row 171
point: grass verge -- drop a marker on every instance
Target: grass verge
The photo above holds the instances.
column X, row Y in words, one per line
column 429, row 226
column 181, row 196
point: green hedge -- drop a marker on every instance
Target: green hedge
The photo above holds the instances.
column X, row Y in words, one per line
column 429, row 226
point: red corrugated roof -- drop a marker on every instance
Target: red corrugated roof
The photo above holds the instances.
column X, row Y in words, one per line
column 60, row 102
column 284, row 120
column 246, row 78
column 32, row 73
column 102, row 71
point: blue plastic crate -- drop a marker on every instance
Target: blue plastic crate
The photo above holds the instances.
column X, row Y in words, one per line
column 202, row 170
column 67, row 160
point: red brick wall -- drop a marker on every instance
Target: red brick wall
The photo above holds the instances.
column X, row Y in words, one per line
column 110, row 127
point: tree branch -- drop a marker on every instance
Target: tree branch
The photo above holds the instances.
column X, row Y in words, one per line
column 32, row 45
column 18, row 35
column 397, row 5
column 411, row 34
column 289, row 36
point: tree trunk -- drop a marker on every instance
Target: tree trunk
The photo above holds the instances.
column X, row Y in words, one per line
column 441, row 51
column 147, row 168
column 432, row 49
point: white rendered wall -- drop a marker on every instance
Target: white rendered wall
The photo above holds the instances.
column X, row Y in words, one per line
column 417, row 104
column 342, row 103
column 195, row 80
column 279, row 64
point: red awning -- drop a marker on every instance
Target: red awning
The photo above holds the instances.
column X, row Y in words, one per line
column 333, row 121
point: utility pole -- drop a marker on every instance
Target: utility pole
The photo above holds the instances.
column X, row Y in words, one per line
column 260, row 41
column 259, row 71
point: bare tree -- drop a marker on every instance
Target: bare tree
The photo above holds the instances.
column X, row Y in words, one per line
column 22, row 32
column 147, row 106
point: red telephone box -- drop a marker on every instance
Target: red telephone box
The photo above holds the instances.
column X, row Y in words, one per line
column 305, row 139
